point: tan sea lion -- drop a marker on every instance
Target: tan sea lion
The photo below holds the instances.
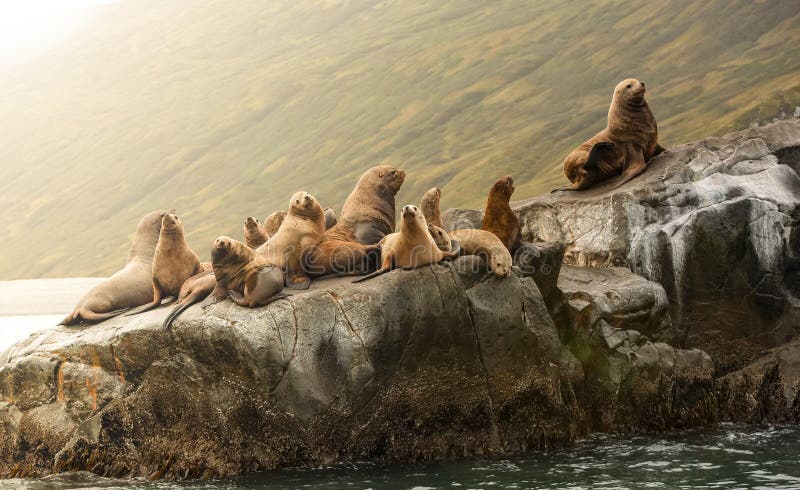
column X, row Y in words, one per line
column 243, row 275
column 273, row 222
column 330, row 218
column 254, row 233
column 488, row 246
column 127, row 288
column 367, row 216
column 430, row 207
column 498, row 217
column 411, row 247
column 301, row 229
column 195, row 289
column 173, row 263
column 629, row 140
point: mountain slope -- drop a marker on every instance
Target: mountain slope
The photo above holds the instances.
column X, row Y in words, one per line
column 222, row 110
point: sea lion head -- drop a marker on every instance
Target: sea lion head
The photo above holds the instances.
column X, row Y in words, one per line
column 412, row 216
column 222, row 248
column 252, row 223
column 504, row 187
column 170, row 223
column 630, row 91
column 304, row 204
column 440, row 237
column 501, row 262
column 391, row 178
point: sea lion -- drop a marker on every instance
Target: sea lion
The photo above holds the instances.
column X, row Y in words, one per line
column 273, row 222
column 254, row 233
column 330, row 218
column 440, row 237
column 629, row 140
column 411, row 247
column 430, row 207
column 367, row 216
column 127, row 288
column 243, row 275
column 488, row 246
column 301, row 229
column 173, row 263
column 195, row 289
column 498, row 217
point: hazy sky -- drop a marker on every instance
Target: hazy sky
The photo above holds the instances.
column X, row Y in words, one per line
column 28, row 26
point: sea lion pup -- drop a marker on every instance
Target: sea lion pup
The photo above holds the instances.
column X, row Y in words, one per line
column 430, row 207
column 254, row 233
column 411, row 247
column 243, row 275
column 488, row 246
column 174, row 262
column 367, row 216
column 127, row 288
column 194, row 290
column 498, row 217
column 629, row 140
column 301, row 229
column 273, row 222
column 330, row 218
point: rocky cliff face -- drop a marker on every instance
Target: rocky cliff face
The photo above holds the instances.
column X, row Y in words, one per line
column 450, row 361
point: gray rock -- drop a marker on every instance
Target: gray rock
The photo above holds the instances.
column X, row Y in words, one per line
column 617, row 296
column 715, row 222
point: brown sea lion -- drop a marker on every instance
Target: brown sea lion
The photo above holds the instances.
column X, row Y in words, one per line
column 127, row 288
column 273, row 222
column 173, row 263
column 440, row 237
column 301, row 229
column 498, row 217
column 243, row 275
column 411, row 247
column 488, row 246
column 629, row 140
column 367, row 216
column 254, row 233
column 195, row 289
column 430, row 207
column 330, row 218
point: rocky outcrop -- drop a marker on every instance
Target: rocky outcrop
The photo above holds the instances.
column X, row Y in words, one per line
column 441, row 362
column 714, row 222
column 451, row 361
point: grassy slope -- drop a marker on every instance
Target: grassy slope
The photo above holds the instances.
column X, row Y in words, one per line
column 223, row 110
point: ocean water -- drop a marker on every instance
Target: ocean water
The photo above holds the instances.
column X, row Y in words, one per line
column 728, row 457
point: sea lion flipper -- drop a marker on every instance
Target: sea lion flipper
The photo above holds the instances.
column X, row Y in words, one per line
column 633, row 167
column 594, row 154
column 455, row 250
column 92, row 317
column 659, row 149
column 295, row 277
column 378, row 272
column 217, row 295
column 238, row 298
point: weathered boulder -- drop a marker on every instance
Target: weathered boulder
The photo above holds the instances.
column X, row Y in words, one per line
column 441, row 362
column 715, row 222
column 616, row 296
column 765, row 391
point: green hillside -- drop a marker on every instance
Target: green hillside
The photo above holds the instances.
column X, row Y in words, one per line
column 223, row 109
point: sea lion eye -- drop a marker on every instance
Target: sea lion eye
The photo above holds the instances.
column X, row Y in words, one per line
column 628, row 86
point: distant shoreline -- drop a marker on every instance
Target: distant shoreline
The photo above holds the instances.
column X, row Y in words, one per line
column 43, row 296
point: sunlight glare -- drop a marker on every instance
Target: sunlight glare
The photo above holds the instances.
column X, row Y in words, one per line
column 27, row 26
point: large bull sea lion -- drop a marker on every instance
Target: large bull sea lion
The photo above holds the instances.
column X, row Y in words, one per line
column 367, row 216
column 629, row 140
column 243, row 275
